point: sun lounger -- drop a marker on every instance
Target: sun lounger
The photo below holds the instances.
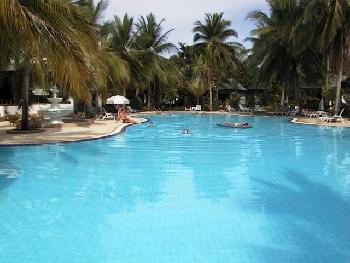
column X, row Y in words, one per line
column 283, row 111
column 258, row 108
column 106, row 115
column 244, row 109
column 333, row 118
column 230, row 109
column 197, row 108
column 318, row 114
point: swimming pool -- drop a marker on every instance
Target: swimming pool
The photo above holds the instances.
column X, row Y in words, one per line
column 279, row 192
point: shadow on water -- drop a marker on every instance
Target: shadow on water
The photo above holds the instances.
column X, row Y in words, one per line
column 316, row 220
column 214, row 186
column 9, row 173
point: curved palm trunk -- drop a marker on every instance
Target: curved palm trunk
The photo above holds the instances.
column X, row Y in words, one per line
column 149, row 97
column 25, row 98
column 159, row 98
column 297, row 94
column 326, row 75
column 210, row 93
column 282, row 97
column 339, row 76
column 124, row 90
column 155, row 95
column 217, row 93
column 210, row 97
column 296, row 87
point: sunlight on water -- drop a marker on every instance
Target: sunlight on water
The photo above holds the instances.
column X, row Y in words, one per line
column 278, row 192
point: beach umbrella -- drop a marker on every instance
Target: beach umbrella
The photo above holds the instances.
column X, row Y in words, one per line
column 117, row 100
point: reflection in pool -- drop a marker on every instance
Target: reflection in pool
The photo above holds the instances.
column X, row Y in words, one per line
column 279, row 192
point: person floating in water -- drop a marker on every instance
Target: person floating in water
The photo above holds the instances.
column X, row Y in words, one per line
column 237, row 124
column 186, row 131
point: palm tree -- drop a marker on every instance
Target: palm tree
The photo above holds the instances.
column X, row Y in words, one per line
column 110, row 68
column 151, row 40
column 212, row 42
column 121, row 43
column 150, row 35
column 95, row 10
column 335, row 39
column 278, row 52
column 197, row 88
column 47, row 38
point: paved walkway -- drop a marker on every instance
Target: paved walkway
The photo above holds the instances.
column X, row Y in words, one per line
column 68, row 133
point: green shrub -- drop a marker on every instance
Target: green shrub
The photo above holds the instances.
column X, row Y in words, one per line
column 136, row 103
column 234, row 100
column 216, row 105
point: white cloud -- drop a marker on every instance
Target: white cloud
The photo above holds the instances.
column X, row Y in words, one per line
column 181, row 14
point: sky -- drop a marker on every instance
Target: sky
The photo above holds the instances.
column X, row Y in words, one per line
column 180, row 15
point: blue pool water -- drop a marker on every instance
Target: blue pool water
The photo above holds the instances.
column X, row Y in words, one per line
column 279, row 192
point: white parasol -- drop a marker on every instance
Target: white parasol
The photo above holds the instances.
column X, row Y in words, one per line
column 118, row 100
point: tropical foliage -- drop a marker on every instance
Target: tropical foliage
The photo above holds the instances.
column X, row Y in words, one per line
column 216, row 51
column 142, row 45
column 52, row 40
column 297, row 44
column 301, row 42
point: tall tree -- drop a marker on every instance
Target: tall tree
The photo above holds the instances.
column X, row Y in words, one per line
column 335, row 39
column 197, row 88
column 212, row 40
column 47, row 38
column 278, row 52
column 110, row 68
column 122, row 43
column 153, row 41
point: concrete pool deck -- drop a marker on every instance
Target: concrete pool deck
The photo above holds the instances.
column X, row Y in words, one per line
column 318, row 122
column 69, row 132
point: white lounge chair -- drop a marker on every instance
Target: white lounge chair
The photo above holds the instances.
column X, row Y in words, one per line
column 259, row 108
column 230, row 109
column 106, row 115
column 241, row 108
column 188, row 109
column 318, row 114
column 333, row 118
column 197, row 108
column 244, row 109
